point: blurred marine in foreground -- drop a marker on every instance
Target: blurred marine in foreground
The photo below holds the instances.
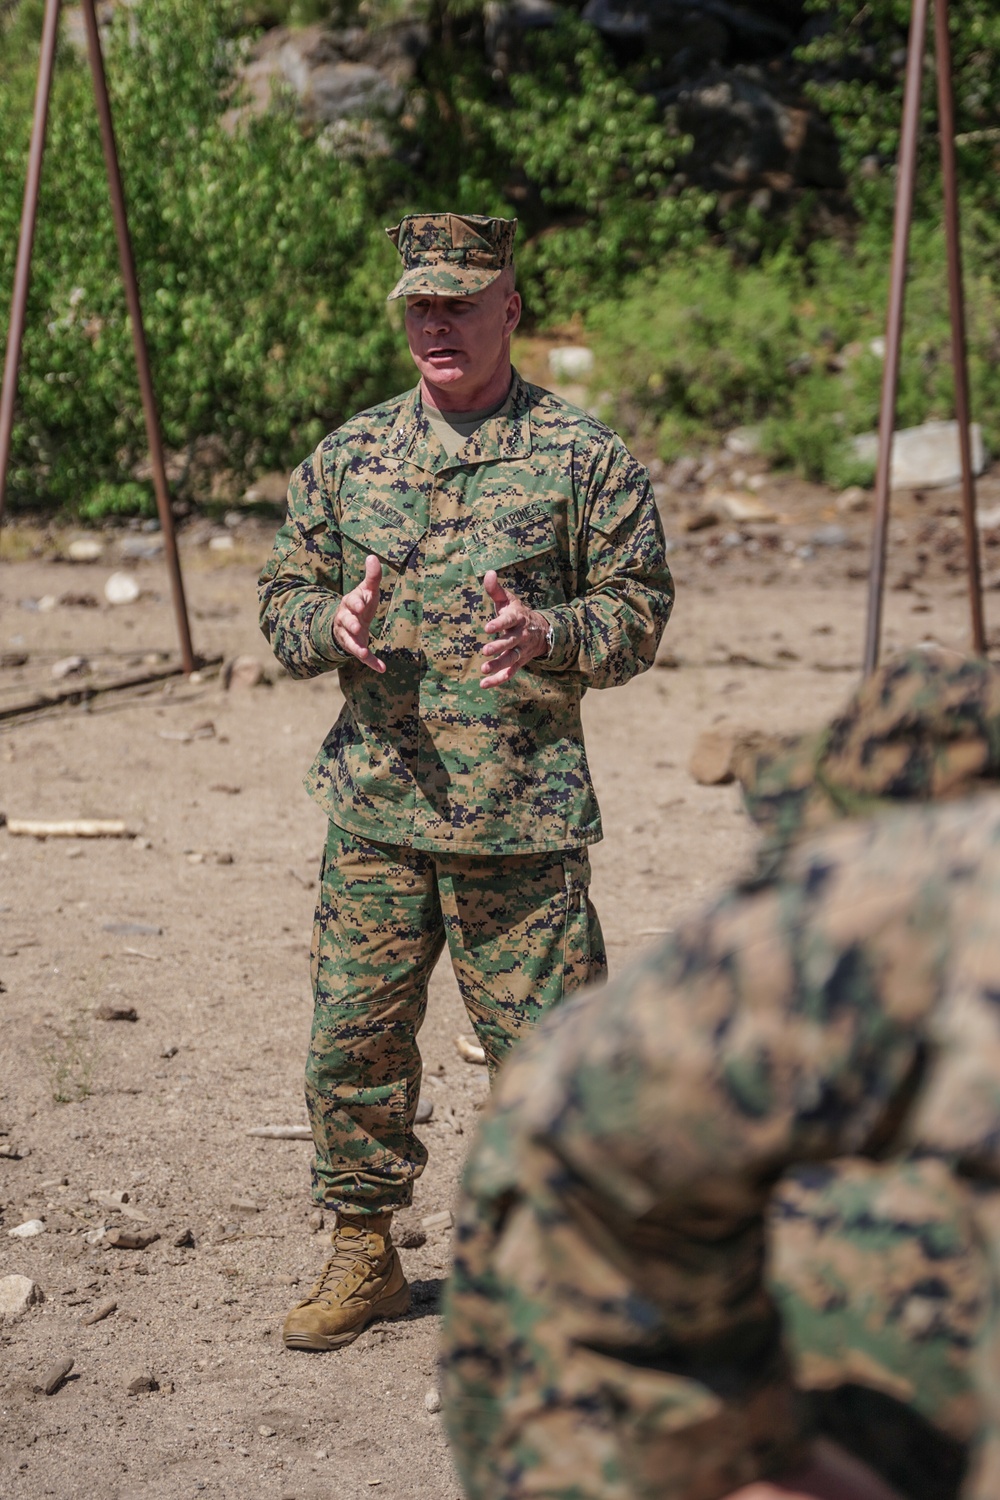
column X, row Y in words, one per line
column 813, row 1062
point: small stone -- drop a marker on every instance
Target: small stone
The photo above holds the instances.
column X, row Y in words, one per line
column 720, row 752
column 243, row 672
column 27, row 1230
column 829, row 536
column 68, row 666
column 442, row 1220
column 571, row 362
column 266, row 1431
column 408, row 1236
column 55, row 1376
column 743, row 442
column 185, row 1240
column 141, row 1382
column 316, row 1220
column 101, row 1311
column 432, row 1401
column 84, row 549
column 746, row 508
column 425, row 1109
column 853, row 500
column 122, row 588
column 224, row 859
column 130, row 1239
column 244, row 1206
column 698, row 520
column 116, row 1013
column 169, row 1051
column 682, row 471
column 17, row 1294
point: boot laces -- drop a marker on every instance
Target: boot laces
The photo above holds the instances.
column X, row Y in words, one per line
column 346, row 1255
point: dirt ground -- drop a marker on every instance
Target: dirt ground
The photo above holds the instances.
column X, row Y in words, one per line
column 201, row 924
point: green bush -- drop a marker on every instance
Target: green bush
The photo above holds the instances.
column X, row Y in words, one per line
column 261, row 264
column 598, row 160
column 704, row 345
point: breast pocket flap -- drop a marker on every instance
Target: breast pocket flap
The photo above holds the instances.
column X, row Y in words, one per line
column 386, row 532
column 510, row 539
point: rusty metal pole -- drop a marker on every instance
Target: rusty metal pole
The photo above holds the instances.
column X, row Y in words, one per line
column 946, row 129
column 905, row 181
column 26, row 240
column 138, row 334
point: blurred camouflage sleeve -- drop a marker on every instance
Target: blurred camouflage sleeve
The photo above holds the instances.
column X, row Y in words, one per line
column 301, row 585
column 610, row 631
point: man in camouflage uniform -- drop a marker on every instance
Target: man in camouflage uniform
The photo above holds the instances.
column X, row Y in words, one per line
column 471, row 557
column 609, row 1332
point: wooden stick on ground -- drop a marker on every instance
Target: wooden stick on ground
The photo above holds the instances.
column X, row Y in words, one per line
column 71, row 828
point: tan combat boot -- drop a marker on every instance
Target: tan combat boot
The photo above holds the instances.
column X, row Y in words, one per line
column 362, row 1280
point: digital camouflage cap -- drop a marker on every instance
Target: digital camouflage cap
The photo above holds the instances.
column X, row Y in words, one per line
column 450, row 255
column 926, row 726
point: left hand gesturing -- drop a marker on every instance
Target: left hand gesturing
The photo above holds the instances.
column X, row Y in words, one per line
column 519, row 635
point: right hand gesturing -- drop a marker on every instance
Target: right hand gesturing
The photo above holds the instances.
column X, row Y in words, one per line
column 354, row 616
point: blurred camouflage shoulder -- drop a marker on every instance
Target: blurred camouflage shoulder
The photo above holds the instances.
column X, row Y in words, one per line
column 924, row 727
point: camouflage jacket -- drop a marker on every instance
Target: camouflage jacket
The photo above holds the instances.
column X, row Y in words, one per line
column 551, row 499
column 849, row 1005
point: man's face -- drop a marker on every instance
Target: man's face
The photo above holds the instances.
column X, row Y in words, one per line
column 460, row 343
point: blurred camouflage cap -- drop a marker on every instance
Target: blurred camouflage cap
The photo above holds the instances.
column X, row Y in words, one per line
column 450, row 255
column 924, row 727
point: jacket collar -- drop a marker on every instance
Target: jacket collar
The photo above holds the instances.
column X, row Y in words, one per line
column 507, row 435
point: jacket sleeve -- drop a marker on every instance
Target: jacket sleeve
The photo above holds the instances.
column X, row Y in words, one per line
column 610, row 631
column 301, row 584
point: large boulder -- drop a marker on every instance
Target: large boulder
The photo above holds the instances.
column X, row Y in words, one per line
column 332, row 76
column 747, row 135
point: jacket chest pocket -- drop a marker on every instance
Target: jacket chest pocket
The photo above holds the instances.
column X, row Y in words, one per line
column 385, row 533
column 522, row 547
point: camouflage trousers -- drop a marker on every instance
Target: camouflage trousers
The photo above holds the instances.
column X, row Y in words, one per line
column 564, row 1378
column 521, row 933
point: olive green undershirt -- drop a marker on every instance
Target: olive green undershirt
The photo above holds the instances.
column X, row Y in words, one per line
column 454, row 428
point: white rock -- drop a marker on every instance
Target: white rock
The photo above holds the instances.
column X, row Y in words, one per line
column 744, row 508
column 46, row 604
column 69, row 666
column 84, row 549
column 571, row 362
column 744, row 442
column 987, row 519
column 924, row 457
column 17, row 1294
column 122, row 588
column 27, row 1230
column 221, row 543
column 432, row 1401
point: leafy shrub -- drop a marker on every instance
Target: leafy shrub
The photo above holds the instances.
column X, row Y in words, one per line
column 261, row 264
column 585, row 160
column 792, row 343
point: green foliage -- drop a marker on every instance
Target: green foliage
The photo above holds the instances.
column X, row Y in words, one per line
column 587, row 161
column 263, row 268
column 260, row 259
column 791, row 343
column 858, row 69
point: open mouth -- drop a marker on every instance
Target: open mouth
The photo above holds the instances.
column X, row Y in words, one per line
column 442, row 356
